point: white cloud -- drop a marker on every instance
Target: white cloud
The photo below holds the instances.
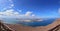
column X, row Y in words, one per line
column 4, row 8
column 28, row 13
column 33, row 15
column 27, row 20
column 12, row 12
column 19, row 10
column 31, row 20
column 12, row 5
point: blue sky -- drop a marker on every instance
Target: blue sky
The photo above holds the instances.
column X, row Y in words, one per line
column 29, row 10
column 41, row 8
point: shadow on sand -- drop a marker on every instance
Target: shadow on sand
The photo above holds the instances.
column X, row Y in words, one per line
column 55, row 28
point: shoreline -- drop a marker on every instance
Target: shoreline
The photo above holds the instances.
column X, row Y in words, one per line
column 18, row 27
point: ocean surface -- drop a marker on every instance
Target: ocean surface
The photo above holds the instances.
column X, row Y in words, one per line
column 41, row 23
column 33, row 24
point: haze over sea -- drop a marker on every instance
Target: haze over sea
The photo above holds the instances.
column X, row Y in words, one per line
column 33, row 23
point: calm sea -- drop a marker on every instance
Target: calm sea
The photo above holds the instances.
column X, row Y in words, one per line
column 34, row 23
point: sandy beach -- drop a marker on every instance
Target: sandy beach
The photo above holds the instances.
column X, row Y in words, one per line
column 18, row 27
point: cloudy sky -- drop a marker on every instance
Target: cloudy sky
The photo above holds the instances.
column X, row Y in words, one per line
column 30, row 8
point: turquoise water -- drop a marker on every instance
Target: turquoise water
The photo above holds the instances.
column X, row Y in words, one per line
column 34, row 23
